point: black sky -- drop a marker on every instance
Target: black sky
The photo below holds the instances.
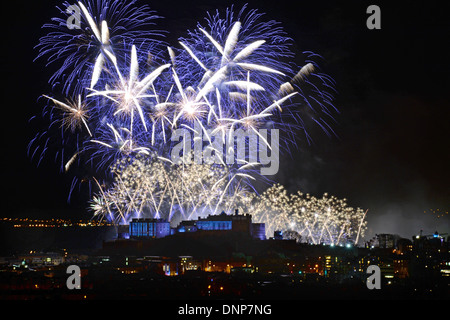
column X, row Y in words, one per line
column 391, row 153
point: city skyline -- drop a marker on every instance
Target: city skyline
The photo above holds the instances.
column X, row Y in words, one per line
column 220, row 261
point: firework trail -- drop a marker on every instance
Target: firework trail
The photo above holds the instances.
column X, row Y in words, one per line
column 104, row 26
column 125, row 96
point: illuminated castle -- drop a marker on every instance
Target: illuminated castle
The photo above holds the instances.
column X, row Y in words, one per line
column 159, row 228
column 149, row 228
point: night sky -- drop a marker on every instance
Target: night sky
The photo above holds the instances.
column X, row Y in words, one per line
column 391, row 150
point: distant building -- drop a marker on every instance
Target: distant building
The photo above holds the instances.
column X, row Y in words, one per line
column 258, row 231
column 149, row 228
column 387, row 241
column 41, row 259
column 123, row 231
column 215, row 222
column 278, row 235
column 430, row 256
column 186, row 226
column 233, row 222
column 158, row 228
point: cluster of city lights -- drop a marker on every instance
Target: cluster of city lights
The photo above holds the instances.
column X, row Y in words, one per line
column 53, row 223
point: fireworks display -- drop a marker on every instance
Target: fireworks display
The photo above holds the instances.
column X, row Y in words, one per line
column 80, row 38
column 148, row 186
column 309, row 219
column 120, row 95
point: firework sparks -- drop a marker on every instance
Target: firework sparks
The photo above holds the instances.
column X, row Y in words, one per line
column 105, row 26
column 316, row 220
column 227, row 76
column 75, row 114
column 128, row 94
column 154, row 187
